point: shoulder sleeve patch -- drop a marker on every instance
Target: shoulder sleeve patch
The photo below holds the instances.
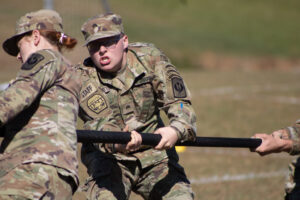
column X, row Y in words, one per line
column 32, row 61
column 178, row 87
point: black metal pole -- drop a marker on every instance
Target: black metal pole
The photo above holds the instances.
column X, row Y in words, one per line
column 153, row 139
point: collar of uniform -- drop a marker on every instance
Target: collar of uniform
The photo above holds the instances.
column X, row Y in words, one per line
column 90, row 68
column 134, row 65
column 110, row 79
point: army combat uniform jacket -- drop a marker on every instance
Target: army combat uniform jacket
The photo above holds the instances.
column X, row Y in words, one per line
column 292, row 182
column 38, row 114
column 135, row 96
column 294, row 135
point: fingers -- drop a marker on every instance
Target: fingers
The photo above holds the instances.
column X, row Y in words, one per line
column 168, row 138
column 133, row 145
column 277, row 134
column 269, row 144
column 272, row 143
column 258, row 149
column 135, row 142
column 126, row 128
column 260, row 135
column 163, row 144
column 120, row 148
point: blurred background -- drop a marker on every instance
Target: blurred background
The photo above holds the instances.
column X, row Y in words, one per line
column 239, row 58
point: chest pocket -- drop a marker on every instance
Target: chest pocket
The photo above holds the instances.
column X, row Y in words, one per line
column 143, row 95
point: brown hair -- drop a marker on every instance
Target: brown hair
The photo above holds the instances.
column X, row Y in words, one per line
column 61, row 40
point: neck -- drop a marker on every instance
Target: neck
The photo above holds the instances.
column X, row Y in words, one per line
column 44, row 44
column 124, row 61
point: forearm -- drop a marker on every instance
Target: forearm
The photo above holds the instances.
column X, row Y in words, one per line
column 16, row 98
column 183, row 120
column 286, row 146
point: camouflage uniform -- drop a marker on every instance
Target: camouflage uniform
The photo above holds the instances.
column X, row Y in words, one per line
column 292, row 187
column 135, row 96
column 38, row 114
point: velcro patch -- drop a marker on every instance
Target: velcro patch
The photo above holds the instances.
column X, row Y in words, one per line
column 171, row 71
column 96, row 103
column 178, row 87
column 32, row 61
column 87, row 91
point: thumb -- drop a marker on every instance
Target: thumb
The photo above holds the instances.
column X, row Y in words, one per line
column 126, row 128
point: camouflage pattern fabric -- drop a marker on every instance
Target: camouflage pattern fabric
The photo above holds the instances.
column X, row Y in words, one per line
column 118, row 178
column 102, row 26
column 39, row 113
column 292, row 186
column 149, row 83
column 294, row 135
column 20, row 183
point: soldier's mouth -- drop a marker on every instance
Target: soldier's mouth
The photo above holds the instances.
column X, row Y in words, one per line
column 104, row 60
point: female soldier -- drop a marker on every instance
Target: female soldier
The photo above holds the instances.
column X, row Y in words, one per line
column 38, row 113
column 124, row 87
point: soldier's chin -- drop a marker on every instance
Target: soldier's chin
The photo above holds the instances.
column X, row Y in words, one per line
column 109, row 69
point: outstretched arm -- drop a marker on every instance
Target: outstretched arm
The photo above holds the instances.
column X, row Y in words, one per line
column 273, row 143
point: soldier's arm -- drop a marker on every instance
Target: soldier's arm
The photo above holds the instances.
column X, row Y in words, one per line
column 273, row 143
column 35, row 76
column 174, row 98
column 283, row 140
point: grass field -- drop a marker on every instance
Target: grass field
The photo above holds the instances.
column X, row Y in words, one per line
column 236, row 102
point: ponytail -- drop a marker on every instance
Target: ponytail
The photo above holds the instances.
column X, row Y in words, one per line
column 61, row 40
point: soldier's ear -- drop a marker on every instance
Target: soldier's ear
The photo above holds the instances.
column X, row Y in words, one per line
column 125, row 41
column 36, row 37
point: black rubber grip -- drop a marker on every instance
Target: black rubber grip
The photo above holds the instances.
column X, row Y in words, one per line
column 153, row 139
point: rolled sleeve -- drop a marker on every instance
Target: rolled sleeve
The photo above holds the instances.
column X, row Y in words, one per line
column 294, row 135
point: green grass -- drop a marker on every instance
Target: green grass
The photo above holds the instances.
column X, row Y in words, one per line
column 238, row 26
column 186, row 28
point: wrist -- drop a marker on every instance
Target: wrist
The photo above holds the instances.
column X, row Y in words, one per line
column 287, row 145
column 285, row 134
column 179, row 136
